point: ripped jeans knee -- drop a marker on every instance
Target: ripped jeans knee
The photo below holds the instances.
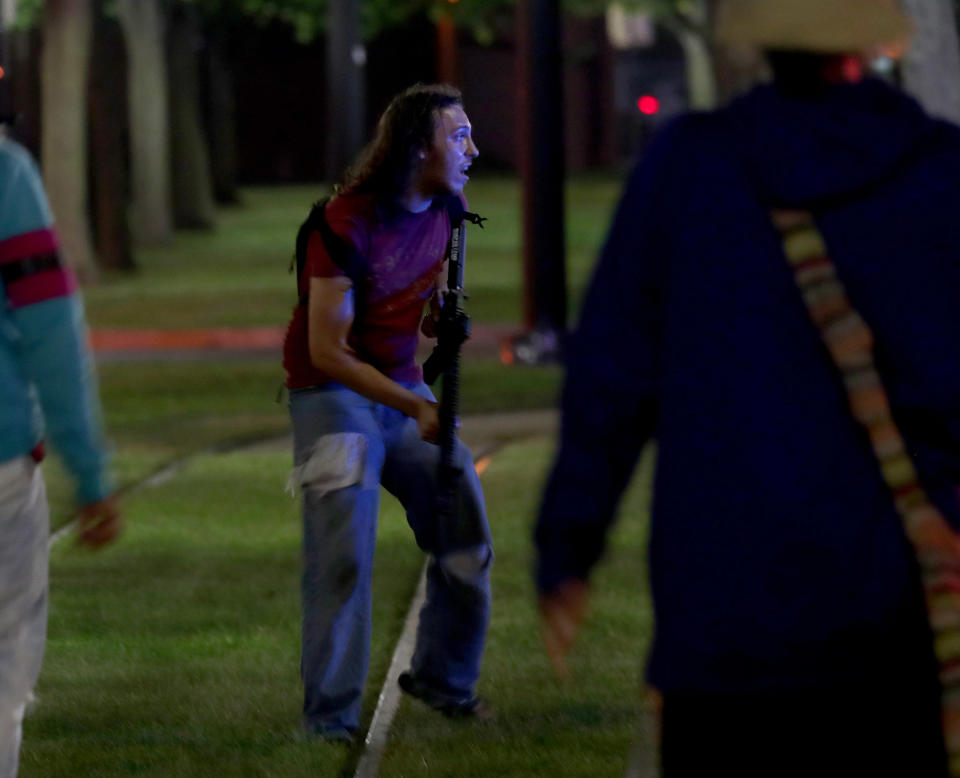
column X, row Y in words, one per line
column 468, row 567
column 336, row 461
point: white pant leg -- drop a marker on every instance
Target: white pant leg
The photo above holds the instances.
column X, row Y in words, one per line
column 24, row 531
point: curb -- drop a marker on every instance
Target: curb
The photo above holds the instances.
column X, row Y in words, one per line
column 114, row 345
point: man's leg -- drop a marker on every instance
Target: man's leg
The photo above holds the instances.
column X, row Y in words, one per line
column 453, row 621
column 338, row 456
column 24, row 527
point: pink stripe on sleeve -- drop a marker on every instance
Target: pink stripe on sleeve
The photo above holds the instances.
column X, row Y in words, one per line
column 28, row 244
column 59, row 282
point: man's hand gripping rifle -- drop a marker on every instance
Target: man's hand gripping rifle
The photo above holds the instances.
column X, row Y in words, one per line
column 453, row 329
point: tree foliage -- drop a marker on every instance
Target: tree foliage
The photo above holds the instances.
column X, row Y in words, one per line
column 28, row 13
column 308, row 18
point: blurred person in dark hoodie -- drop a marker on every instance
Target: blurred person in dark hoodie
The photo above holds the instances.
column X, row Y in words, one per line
column 791, row 636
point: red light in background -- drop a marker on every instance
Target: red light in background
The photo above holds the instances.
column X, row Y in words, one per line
column 852, row 70
column 2, row 72
column 649, row 105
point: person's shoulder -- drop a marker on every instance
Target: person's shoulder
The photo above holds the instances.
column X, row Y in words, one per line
column 687, row 125
column 943, row 137
column 456, row 203
column 13, row 155
column 23, row 202
column 352, row 216
column 932, row 137
column 690, row 131
column 351, row 204
column 17, row 166
column 677, row 144
column 355, row 208
column 450, row 208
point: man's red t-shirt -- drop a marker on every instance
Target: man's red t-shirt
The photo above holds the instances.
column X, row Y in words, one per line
column 404, row 255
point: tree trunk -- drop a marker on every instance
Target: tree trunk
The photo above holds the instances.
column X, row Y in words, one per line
column 540, row 134
column 192, row 188
column 108, row 152
column 25, row 87
column 143, row 26
column 221, row 121
column 692, row 33
column 6, row 51
column 448, row 69
column 931, row 67
column 64, row 63
column 8, row 13
column 345, row 60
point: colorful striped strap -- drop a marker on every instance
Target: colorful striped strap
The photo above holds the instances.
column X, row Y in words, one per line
column 850, row 343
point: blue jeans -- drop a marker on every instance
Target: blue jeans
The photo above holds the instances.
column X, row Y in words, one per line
column 345, row 447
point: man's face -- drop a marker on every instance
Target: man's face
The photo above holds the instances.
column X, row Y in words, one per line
column 449, row 156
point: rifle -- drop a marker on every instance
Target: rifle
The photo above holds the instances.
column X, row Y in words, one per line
column 453, row 329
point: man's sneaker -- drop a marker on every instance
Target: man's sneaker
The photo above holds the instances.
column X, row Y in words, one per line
column 473, row 708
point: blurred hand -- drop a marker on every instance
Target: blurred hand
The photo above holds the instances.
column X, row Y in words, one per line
column 99, row 523
column 428, row 421
column 561, row 613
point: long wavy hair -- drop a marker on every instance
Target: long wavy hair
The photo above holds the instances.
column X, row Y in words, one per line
column 387, row 163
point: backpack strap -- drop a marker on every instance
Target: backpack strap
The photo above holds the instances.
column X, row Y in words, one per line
column 343, row 255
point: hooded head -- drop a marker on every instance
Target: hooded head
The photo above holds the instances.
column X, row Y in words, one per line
column 816, row 26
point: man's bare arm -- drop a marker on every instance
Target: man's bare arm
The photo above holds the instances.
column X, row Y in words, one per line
column 329, row 318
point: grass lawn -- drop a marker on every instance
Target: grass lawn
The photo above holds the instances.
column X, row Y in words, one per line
column 156, row 413
column 175, row 651
column 583, row 727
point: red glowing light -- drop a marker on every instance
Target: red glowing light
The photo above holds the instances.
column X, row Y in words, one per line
column 2, row 72
column 649, row 105
column 852, row 70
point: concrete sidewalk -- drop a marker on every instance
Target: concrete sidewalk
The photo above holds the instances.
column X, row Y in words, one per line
column 245, row 342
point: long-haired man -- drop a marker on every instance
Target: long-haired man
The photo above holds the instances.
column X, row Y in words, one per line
column 363, row 417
